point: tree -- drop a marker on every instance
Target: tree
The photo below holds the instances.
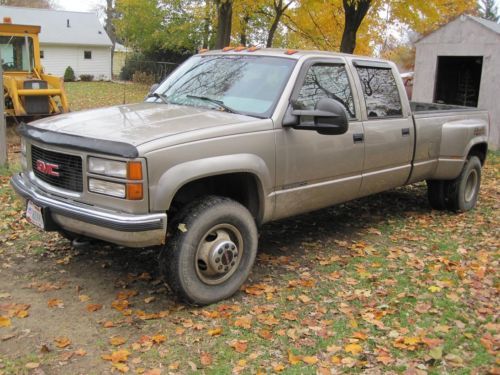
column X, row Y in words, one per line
column 488, row 10
column 279, row 8
column 42, row 4
column 354, row 13
column 224, row 23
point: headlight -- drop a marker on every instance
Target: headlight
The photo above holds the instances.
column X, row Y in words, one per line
column 23, row 146
column 108, row 167
column 108, row 188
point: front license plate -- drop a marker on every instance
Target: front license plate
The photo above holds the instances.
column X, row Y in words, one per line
column 34, row 215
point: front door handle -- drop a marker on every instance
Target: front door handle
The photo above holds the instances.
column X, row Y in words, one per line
column 358, row 137
column 405, row 132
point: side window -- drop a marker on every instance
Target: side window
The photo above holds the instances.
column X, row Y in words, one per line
column 380, row 91
column 326, row 81
column 87, row 55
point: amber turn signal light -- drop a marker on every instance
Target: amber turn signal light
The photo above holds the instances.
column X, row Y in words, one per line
column 134, row 170
column 134, row 192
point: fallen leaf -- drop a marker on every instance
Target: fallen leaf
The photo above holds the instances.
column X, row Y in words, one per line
column 243, row 322
column 83, row 298
column 55, row 302
column 436, row 352
column 304, row 299
column 122, row 367
column 174, row 365
column 80, row 352
column 265, row 334
column 93, row 307
column 32, row 365
column 117, row 340
column 353, row 348
column 293, row 359
column 22, row 314
column 206, row 359
column 158, row 339
column 310, row 360
column 62, row 342
column 182, row 227
column 215, row 332
column 278, row 367
column 108, row 324
column 118, row 356
column 149, row 299
column 239, row 345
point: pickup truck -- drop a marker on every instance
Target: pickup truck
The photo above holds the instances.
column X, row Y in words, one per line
column 234, row 139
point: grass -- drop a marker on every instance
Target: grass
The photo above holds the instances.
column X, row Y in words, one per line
column 87, row 95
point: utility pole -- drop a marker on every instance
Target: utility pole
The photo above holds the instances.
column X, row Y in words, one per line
column 3, row 125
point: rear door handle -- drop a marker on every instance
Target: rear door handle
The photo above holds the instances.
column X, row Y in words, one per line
column 405, row 132
column 358, row 137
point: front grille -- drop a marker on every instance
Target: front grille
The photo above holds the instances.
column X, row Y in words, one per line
column 69, row 169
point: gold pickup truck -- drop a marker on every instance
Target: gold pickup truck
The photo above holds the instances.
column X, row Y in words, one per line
column 237, row 138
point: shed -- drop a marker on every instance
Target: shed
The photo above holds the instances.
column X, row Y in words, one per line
column 459, row 63
column 75, row 39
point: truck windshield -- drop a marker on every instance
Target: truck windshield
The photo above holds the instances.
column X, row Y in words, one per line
column 249, row 85
column 16, row 53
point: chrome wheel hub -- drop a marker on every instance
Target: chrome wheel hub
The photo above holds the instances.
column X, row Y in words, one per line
column 471, row 186
column 218, row 254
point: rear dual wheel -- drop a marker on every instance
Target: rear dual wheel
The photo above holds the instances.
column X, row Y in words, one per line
column 459, row 194
column 211, row 251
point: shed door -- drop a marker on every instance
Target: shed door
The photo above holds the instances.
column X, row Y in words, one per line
column 458, row 80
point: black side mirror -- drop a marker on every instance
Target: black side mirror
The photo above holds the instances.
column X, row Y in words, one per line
column 329, row 117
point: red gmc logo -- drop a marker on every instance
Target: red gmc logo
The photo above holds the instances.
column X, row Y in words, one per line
column 47, row 168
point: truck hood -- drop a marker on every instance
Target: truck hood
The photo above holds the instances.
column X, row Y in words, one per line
column 139, row 123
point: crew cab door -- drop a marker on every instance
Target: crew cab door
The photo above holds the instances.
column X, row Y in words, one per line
column 315, row 170
column 388, row 127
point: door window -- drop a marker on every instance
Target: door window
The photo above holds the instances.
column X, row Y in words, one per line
column 326, row 81
column 380, row 91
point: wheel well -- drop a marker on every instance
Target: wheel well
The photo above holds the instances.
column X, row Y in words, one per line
column 480, row 150
column 241, row 187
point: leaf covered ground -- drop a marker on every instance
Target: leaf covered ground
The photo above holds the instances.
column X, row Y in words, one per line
column 379, row 285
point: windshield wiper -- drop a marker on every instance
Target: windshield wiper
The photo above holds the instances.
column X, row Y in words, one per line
column 220, row 103
column 159, row 96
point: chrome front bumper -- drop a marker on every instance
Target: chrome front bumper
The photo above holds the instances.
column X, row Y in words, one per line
column 117, row 227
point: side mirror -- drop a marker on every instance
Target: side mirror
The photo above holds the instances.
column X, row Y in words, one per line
column 329, row 117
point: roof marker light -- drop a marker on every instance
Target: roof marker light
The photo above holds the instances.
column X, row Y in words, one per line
column 253, row 49
column 7, row 20
column 228, row 48
column 290, row 51
column 203, row 50
column 240, row 48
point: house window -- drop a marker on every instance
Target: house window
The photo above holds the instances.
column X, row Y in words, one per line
column 87, row 55
column 41, row 54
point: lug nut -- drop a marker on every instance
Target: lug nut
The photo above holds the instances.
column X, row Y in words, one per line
column 217, row 260
column 232, row 263
column 220, row 251
column 220, row 268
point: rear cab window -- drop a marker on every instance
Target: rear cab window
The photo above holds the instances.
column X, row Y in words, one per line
column 380, row 91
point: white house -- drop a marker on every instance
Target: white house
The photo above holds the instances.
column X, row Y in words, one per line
column 75, row 39
column 459, row 63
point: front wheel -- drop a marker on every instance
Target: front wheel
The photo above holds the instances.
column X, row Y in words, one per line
column 211, row 251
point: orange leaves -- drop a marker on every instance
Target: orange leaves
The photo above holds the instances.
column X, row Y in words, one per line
column 265, row 334
column 206, row 359
column 93, row 307
column 62, row 342
column 117, row 357
column 117, row 340
column 119, row 304
column 4, row 321
column 239, row 345
column 353, row 348
column 259, row 289
column 289, row 315
column 158, row 339
column 295, row 359
column 244, row 322
column 215, row 331
column 55, row 302
column 145, row 316
column 407, row 343
column 269, row 320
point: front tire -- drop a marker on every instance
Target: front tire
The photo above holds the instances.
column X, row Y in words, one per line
column 462, row 192
column 211, row 251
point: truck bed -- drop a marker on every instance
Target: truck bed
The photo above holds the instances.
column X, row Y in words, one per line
column 419, row 107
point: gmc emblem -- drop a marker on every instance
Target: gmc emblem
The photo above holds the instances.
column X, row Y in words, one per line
column 47, row 168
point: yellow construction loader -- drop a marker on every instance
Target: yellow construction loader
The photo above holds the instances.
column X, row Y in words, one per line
column 28, row 91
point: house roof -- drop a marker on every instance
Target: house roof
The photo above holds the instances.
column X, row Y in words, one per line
column 490, row 25
column 61, row 27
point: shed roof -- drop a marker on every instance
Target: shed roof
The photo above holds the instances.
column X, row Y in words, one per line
column 60, row 26
column 487, row 24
